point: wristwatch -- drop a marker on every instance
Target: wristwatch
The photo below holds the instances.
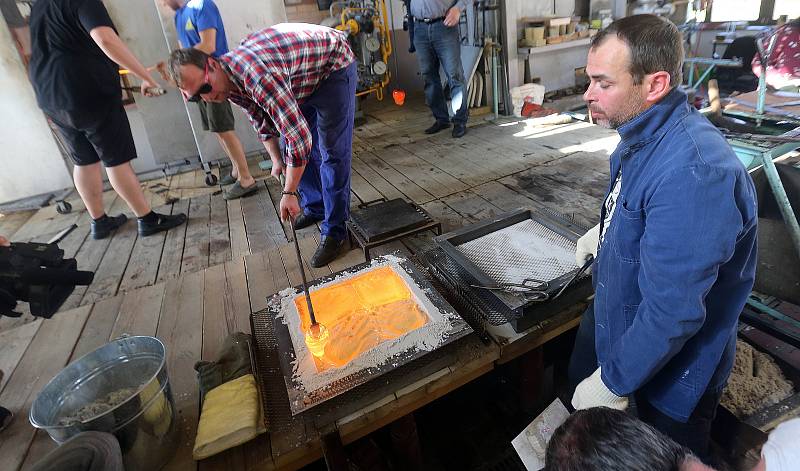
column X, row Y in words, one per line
column 292, row 193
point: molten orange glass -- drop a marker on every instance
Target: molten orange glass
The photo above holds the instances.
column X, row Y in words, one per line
column 360, row 313
column 316, row 338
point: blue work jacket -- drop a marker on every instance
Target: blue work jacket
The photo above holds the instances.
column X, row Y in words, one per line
column 677, row 262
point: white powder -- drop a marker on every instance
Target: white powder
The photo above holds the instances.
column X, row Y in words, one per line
column 426, row 338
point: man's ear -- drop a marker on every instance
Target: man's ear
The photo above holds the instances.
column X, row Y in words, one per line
column 657, row 86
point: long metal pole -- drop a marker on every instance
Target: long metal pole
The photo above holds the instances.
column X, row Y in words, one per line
column 783, row 201
column 302, row 273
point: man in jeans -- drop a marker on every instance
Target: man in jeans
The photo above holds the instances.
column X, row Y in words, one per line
column 199, row 25
column 437, row 41
column 675, row 250
column 295, row 81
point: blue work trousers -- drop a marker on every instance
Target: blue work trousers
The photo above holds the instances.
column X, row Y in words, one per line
column 325, row 185
column 437, row 45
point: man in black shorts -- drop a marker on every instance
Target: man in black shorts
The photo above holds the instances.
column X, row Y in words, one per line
column 199, row 25
column 73, row 68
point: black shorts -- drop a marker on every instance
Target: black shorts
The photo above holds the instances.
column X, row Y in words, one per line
column 91, row 136
column 217, row 117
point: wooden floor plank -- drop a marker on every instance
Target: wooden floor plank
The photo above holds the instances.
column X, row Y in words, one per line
column 181, row 329
column 362, row 188
column 454, row 163
column 89, row 257
column 472, row 206
column 109, row 273
column 503, row 196
column 99, row 327
column 219, row 234
column 142, row 268
column 237, row 231
column 45, row 357
column 553, row 195
column 383, row 186
column 265, row 276
column 13, row 344
column 174, row 244
column 279, row 232
column 255, row 210
column 215, row 327
column 409, row 188
column 436, row 181
column 195, row 252
column 237, row 297
column 11, row 222
column 139, row 311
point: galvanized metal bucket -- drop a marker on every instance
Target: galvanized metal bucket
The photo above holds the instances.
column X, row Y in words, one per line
column 121, row 388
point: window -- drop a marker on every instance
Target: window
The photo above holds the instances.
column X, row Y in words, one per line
column 790, row 8
column 739, row 10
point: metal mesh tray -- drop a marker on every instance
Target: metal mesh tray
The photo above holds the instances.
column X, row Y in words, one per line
column 521, row 244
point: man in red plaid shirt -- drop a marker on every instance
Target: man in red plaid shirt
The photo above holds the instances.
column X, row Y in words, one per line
column 296, row 82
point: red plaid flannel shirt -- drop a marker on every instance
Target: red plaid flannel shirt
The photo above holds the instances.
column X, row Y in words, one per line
column 276, row 69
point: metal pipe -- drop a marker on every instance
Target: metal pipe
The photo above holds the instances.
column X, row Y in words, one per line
column 783, row 200
column 302, row 273
column 762, row 79
column 495, row 98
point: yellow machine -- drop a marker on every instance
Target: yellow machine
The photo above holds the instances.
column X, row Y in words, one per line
column 367, row 26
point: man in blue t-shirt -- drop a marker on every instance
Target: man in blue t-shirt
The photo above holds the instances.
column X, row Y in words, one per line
column 199, row 25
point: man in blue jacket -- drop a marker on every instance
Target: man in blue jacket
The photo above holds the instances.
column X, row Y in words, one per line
column 675, row 250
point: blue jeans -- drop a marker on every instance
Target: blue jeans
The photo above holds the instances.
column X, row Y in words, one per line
column 437, row 45
column 325, row 184
column 693, row 434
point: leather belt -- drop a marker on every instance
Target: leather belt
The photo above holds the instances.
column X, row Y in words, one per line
column 428, row 21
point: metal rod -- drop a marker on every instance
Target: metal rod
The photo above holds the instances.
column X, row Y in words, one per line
column 302, row 273
column 495, row 97
column 783, row 201
column 762, row 79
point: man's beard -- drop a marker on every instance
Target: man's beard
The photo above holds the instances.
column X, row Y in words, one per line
column 630, row 109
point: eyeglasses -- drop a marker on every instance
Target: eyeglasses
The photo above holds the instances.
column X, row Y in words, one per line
column 205, row 88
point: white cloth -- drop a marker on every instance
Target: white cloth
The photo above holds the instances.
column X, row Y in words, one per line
column 782, row 449
column 592, row 392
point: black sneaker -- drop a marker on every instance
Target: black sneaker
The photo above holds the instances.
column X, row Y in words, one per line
column 305, row 220
column 327, row 251
column 5, row 418
column 437, row 126
column 161, row 222
column 459, row 130
column 104, row 227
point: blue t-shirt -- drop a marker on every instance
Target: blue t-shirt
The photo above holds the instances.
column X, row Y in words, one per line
column 196, row 16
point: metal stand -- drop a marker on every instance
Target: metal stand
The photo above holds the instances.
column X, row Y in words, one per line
column 367, row 240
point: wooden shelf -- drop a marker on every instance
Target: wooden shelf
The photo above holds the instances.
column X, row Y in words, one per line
column 553, row 47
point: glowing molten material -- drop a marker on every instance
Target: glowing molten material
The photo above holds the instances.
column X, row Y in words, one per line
column 316, row 338
column 360, row 313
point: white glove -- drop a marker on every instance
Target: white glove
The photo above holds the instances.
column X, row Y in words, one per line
column 592, row 392
column 587, row 245
column 782, row 449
